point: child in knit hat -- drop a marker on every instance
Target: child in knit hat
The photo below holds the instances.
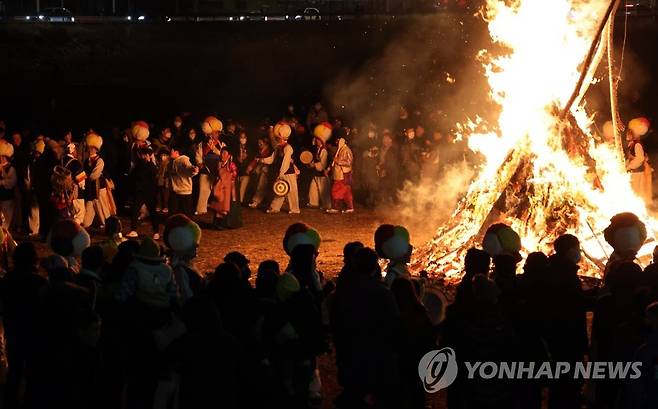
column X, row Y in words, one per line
column 149, row 280
column 182, row 236
column 68, row 239
column 393, row 243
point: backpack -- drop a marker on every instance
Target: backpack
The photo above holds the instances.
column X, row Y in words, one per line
column 153, row 282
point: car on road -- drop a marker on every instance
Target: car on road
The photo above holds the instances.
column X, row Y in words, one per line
column 56, row 15
column 309, row 13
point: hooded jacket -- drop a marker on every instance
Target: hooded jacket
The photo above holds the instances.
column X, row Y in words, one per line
column 151, row 283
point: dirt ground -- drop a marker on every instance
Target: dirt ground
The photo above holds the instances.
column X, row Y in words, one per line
column 261, row 237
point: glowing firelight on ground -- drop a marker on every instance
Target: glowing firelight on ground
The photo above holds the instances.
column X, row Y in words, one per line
column 558, row 190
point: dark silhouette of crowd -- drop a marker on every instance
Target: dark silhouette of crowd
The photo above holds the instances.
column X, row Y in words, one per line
column 135, row 325
column 541, row 316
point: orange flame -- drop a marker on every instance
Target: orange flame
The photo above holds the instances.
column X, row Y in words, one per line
column 546, row 43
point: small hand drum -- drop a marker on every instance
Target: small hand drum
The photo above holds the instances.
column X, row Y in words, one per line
column 306, row 157
column 281, row 188
column 435, row 302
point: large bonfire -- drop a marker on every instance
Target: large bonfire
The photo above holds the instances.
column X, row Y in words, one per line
column 545, row 173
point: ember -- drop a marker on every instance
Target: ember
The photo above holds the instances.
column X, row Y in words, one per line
column 545, row 172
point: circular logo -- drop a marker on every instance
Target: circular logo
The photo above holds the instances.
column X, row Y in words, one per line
column 438, row 369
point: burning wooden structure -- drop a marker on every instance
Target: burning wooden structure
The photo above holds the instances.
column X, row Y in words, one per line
column 545, row 172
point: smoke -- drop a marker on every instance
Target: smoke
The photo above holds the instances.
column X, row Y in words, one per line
column 430, row 67
column 426, row 205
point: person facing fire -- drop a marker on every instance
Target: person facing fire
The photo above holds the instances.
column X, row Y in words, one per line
column 626, row 234
column 319, row 190
column 637, row 163
column 410, row 156
column 145, row 173
column 282, row 162
column 7, row 184
column 501, row 240
column 178, row 133
column 368, row 154
column 93, row 167
column 564, row 325
column 163, row 141
column 242, row 160
column 224, row 191
column 180, row 173
column 140, row 133
column 393, row 243
column 341, row 175
column 33, row 186
column 503, row 244
column 260, row 171
column 207, row 159
column 182, row 236
column 70, row 161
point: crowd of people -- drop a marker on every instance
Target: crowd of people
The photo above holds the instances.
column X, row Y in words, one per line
column 199, row 166
column 129, row 324
column 122, row 323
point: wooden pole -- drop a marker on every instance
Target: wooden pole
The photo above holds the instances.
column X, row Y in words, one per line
column 612, row 8
column 613, row 81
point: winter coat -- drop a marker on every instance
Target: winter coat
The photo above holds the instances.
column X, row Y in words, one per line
column 643, row 392
column 365, row 322
column 395, row 269
column 410, row 159
column 146, row 174
column 209, row 366
column 242, row 159
column 60, row 373
column 564, row 312
column 388, row 167
column 163, row 173
column 484, row 335
column 19, row 294
column 151, row 283
column 188, row 279
column 92, row 282
column 159, row 143
column 181, row 172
